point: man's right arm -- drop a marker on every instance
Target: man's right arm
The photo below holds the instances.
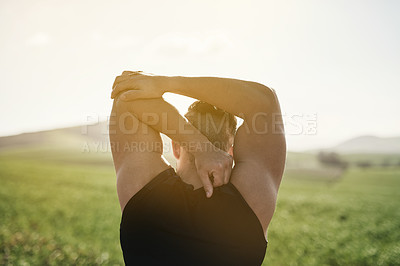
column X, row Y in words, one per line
column 238, row 97
column 258, row 105
column 259, row 145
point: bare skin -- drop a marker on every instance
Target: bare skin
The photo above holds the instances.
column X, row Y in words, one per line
column 259, row 149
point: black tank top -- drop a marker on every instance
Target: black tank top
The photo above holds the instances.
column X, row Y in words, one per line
column 169, row 223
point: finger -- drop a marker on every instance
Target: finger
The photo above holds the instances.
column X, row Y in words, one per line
column 123, row 78
column 218, row 178
column 119, row 79
column 228, row 172
column 127, row 84
column 208, row 188
column 227, row 175
column 127, row 72
column 126, row 75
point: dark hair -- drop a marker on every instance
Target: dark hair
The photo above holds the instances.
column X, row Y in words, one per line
column 214, row 123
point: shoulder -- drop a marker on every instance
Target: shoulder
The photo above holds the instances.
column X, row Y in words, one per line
column 131, row 179
column 155, row 183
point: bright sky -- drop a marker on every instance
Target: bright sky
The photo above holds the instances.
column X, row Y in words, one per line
column 335, row 64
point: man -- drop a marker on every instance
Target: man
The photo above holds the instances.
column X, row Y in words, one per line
column 205, row 212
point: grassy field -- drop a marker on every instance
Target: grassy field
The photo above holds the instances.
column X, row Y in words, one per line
column 353, row 221
column 64, row 211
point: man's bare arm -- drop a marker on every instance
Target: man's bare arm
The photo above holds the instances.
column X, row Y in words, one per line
column 257, row 104
column 259, row 145
column 238, row 97
column 164, row 118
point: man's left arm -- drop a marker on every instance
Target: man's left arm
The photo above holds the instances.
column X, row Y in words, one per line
column 136, row 150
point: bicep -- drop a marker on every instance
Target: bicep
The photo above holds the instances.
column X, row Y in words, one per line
column 260, row 141
column 136, row 149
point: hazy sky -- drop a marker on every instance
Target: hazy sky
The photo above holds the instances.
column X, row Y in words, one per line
column 335, row 64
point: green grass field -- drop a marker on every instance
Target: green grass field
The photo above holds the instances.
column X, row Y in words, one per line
column 65, row 212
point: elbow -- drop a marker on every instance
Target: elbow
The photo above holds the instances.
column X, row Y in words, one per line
column 267, row 91
column 267, row 98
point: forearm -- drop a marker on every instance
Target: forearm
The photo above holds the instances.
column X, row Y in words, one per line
column 235, row 96
column 164, row 118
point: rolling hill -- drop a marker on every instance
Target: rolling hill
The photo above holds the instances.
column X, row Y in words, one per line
column 369, row 144
column 83, row 144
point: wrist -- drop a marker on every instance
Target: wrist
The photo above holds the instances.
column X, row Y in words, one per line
column 171, row 84
column 161, row 83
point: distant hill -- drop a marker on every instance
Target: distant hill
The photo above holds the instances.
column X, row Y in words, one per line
column 86, row 143
column 369, row 144
column 67, row 138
